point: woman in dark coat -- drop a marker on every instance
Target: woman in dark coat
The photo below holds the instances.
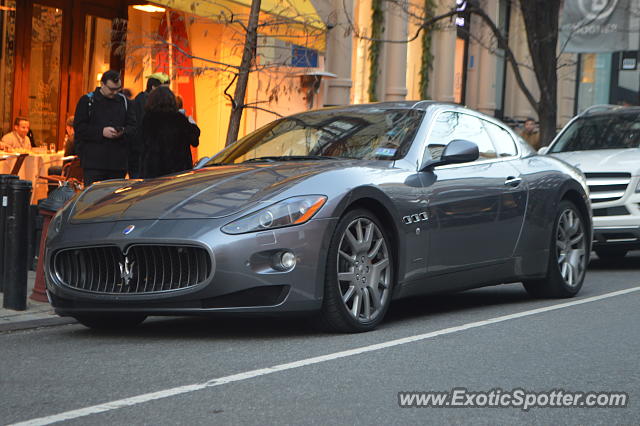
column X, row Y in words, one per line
column 167, row 135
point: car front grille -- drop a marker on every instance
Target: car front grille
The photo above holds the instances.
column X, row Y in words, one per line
column 607, row 186
column 144, row 268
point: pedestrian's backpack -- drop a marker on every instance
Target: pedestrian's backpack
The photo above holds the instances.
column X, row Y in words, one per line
column 90, row 104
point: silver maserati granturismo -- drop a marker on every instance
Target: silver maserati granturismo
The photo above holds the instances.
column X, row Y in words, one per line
column 332, row 213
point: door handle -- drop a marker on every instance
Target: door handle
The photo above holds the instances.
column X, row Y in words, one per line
column 513, row 181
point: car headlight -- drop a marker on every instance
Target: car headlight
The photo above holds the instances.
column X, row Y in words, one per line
column 55, row 225
column 292, row 211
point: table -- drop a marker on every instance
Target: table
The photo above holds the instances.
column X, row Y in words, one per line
column 35, row 164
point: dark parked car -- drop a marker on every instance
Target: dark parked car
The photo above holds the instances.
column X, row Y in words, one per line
column 333, row 213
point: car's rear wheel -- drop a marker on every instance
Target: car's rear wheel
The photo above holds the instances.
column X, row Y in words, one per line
column 359, row 274
column 610, row 253
column 568, row 256
column 110, row 321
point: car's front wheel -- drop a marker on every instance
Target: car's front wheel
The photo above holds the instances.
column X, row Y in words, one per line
column 359, row 274
column 110, row 321
column 568, row 256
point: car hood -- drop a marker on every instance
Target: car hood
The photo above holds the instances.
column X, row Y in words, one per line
column 603, row 160
column 212, row 192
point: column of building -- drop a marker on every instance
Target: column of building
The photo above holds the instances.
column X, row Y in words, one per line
column 393, row 61
column 338, row 60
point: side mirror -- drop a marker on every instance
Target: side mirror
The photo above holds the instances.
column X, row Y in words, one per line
column 457, row 151
column 201, row 162
column 543, row 150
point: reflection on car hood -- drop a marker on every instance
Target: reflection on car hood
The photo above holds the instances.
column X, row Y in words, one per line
column 205, row 193
column 603, row 160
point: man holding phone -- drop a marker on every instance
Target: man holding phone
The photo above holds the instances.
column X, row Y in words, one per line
column 104, row 126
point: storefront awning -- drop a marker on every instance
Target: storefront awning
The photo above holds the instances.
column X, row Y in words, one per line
column 301, row 14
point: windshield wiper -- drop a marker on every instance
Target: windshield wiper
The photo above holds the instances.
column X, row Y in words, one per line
column 271, row 159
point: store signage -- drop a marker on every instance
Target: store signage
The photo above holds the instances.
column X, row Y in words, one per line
column 592, row 26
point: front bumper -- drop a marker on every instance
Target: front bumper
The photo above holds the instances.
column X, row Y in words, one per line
column 240, row 281
column 618, row 236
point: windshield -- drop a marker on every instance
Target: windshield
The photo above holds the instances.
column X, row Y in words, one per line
column 365, row 134
column 614, row 131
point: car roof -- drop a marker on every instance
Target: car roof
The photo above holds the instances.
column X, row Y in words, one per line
column 417, row 105
column 604, row 110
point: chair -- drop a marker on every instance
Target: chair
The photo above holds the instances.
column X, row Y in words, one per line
column 71, row 174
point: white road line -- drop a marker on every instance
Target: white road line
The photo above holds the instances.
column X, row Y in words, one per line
column 135, row 400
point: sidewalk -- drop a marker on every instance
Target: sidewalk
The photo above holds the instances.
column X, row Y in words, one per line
column 38, row 314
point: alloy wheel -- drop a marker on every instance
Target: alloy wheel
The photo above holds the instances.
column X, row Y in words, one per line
column 364, row 270
column 570, row 247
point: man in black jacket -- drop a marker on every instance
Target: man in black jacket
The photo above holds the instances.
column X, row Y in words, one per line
column 104, row 125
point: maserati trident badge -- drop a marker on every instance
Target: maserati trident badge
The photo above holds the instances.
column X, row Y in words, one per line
column 126, row 271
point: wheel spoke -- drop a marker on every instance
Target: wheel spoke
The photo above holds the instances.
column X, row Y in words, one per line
column 368, row 236
column 562, row 245
column 348, row 294
column 359, row 231
column 575, row 240
column 377, row 271
column 347, row 257
column 355, row 308
column 569, row 278
column 374, row 291
column 347, row 276
column 366, row 303
column 376, row 248
column 352, row 241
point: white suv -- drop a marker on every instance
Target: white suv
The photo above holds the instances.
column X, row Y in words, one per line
column 604, row 143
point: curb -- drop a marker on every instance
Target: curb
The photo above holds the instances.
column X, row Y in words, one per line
column 36, row 323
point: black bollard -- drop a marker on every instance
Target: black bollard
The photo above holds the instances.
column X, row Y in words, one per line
column 4, row 201
column 15, row 288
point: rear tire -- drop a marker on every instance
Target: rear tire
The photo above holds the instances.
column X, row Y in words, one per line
column 110, row 321
column 568, row 256
column 359, row 275
column 610, row 253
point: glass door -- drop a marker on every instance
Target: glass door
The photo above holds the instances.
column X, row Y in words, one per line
column 44, row 73
column 97, row 51
column 7, row 60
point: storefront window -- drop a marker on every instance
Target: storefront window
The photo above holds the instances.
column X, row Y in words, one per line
column 44, row 73
column 7, row 60
column 97, row 51
column 595, row 80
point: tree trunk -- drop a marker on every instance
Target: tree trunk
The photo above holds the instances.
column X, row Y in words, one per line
column 248, row 59
column 541, row 24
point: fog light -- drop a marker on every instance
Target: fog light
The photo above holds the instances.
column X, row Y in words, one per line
column 285, row 261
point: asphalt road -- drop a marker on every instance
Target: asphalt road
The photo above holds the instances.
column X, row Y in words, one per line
column 279, row 371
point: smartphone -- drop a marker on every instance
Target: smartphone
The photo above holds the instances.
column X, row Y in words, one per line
column 119, row 129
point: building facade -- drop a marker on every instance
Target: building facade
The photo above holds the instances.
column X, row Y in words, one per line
column 311, row 53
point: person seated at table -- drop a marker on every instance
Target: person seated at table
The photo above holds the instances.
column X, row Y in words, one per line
column 17, row 139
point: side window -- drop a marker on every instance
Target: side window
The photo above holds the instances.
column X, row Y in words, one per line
column 502, row 140
column 453, row 125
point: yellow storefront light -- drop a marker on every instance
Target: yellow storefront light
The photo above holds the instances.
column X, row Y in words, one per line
column 300, row 25
column 148, row 8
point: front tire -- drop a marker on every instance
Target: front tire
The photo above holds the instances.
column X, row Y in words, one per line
column 110, row 321
column 359, row 274
column 568, row 256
